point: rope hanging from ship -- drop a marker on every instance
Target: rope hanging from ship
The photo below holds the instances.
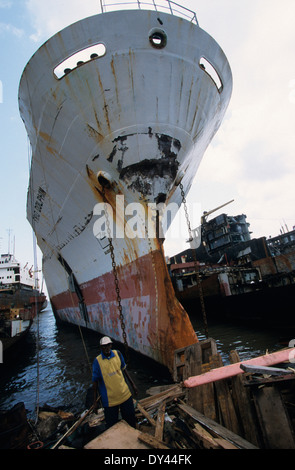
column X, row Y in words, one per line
column 199, row 284
column 37, row 313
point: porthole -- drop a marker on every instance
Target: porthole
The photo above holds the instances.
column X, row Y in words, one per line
column 158, row 38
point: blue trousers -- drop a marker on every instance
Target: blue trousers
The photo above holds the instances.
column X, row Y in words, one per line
column 111, row 413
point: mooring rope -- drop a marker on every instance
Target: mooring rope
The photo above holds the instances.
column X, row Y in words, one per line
column 35, row 272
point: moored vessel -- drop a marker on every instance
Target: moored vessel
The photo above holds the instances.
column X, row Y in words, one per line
column 119, row 109
column 20, row 299
column 242, row 279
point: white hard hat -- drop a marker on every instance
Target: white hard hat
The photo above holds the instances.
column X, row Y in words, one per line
column 105, row 340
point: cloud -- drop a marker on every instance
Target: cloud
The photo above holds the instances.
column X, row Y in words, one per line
column 252, row 156
column 49, row 17
column 251, row 159
column 10, row 29
column 5, row 4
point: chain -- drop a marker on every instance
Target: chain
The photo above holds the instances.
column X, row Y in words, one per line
column 114, row 266
column 199, row 284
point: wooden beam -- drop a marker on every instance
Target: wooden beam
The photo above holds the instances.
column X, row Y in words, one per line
column 153, row 401
column 216, row 428
column 235, row 369
column 73, row 428
column 160, row 421
column 274, row 420
column 255, row 369
column 225, row 444
column 244, row 404
column 152, row 441
column 254, row 382
column 204, row 437
column 193, row 366
column 146, row 414
column 224, row 398
column 197, row 361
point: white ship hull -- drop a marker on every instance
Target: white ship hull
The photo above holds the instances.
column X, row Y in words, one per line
column 127, row 126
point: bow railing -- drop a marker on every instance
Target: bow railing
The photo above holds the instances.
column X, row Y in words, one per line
column 165, row 6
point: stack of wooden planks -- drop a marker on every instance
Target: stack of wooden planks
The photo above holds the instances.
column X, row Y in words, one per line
column 258, row 405
column 254, row 409
column 173, row 424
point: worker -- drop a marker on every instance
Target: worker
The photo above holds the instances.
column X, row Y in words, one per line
column 109, row 376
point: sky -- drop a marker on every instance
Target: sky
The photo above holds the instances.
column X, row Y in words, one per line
column 252, row 157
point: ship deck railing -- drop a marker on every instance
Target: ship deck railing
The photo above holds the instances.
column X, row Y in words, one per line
column 165, row 6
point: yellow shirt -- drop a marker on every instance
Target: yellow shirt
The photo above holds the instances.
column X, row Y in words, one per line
column 108, row 372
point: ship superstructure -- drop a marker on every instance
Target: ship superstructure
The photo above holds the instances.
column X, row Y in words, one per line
column 119, row 109
column 12, row 272
column 20, row 299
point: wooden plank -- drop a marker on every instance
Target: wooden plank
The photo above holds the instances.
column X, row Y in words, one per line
column 205, row 349
column 151, row 441
column 209, row 348
column 269, row 380
column 201, row 398
column 204, row 437
column 159, row 389
column 225, row 444
column 235, row 369
column 227, row 410
column 153, row 401
column 119, row 436
column 244, row 405
column 73, row 428
column 193, row 366
column 274, row 420
column 146, row 414
column 254, row 369
column 216, row 428
column 209, row 405
column 178, row 365
column 160, row 421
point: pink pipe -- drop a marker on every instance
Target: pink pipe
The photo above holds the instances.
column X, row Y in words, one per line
column 234, row 369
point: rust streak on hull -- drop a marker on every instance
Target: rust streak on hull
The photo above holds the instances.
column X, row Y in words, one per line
column 159, row 327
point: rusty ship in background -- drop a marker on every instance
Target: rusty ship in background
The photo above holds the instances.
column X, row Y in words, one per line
column 20, row 299
column 243, row 280
column 119, row 109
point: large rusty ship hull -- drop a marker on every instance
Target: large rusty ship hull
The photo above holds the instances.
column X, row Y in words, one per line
column 155, row 322
column 124, row 126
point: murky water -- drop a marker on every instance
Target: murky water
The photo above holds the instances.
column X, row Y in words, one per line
column 53, row 365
